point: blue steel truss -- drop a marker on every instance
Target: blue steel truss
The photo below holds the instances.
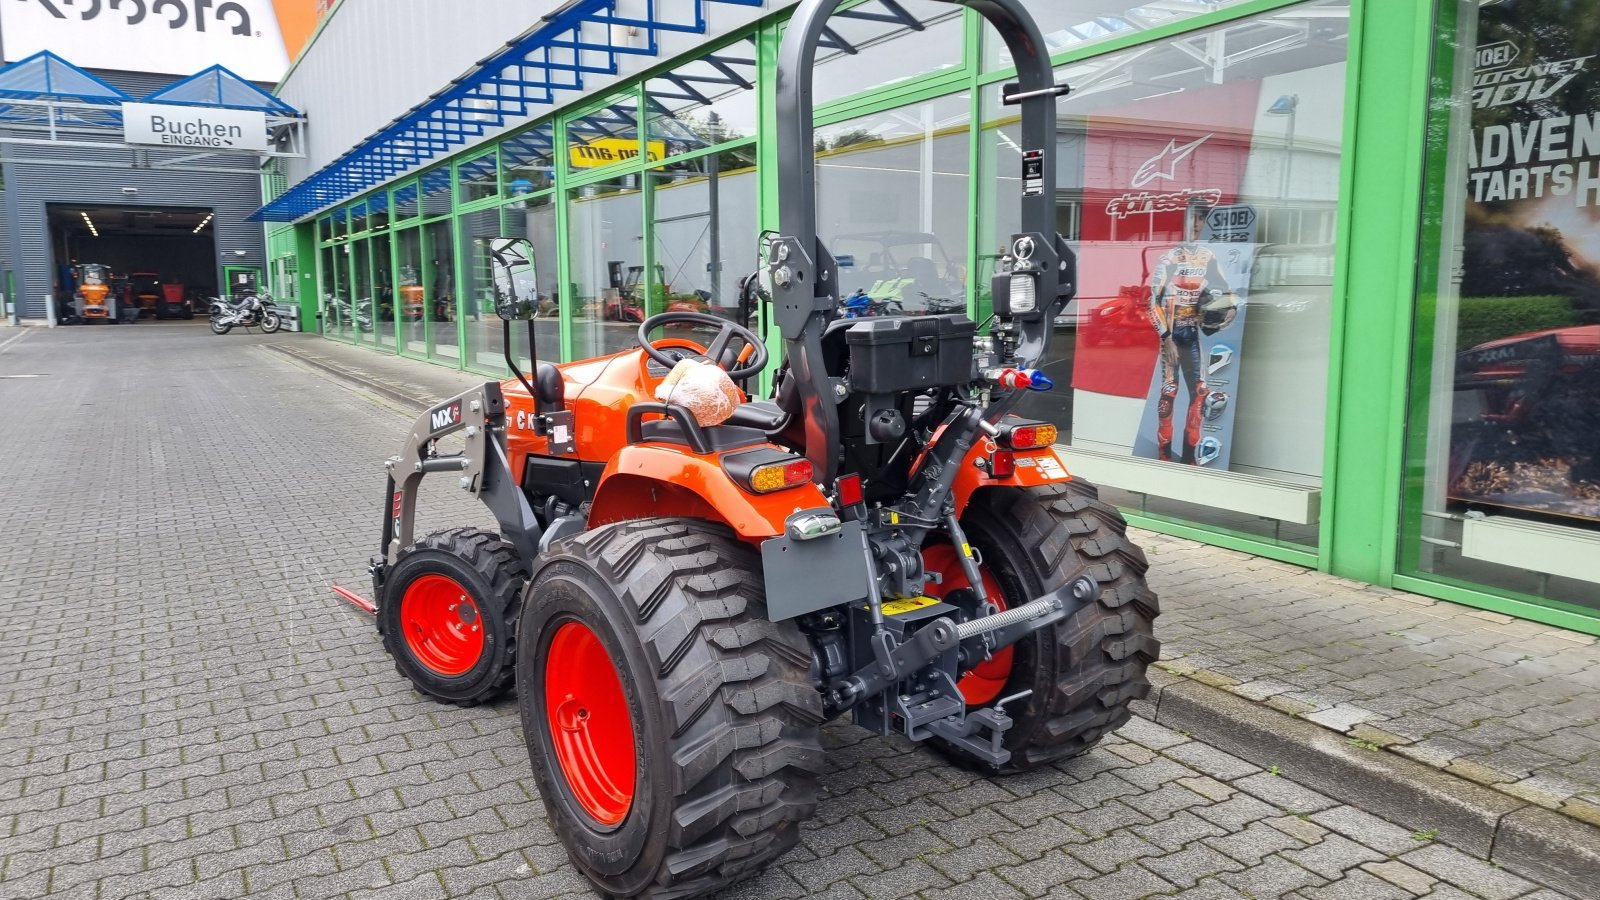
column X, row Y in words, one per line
column 217, row 86
column 507, row 87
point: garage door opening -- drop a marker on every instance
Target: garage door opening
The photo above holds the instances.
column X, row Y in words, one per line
column 160, row 261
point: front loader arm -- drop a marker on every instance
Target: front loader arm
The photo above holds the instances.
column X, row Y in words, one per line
column 483, row 470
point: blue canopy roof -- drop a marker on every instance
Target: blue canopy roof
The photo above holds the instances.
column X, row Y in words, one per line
column 217, row 86
column 46, row 76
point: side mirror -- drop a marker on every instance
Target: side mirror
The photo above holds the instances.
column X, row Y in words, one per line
column 516, row 291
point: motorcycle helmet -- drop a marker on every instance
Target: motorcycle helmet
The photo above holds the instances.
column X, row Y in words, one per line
column 1221, row 357
column 1207, row 451
column 1214, row 311
column 1214, row 405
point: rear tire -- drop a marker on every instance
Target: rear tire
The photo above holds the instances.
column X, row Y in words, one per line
column 219, row 328
column 454, row 650
column 1086, row 670
column 720, row 708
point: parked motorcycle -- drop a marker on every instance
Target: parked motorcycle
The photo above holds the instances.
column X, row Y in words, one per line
column 249, row 311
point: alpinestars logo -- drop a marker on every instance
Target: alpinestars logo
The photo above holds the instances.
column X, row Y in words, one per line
column 1145, row 202
column 175, row 13
column 1165, row 164
column 445, row 416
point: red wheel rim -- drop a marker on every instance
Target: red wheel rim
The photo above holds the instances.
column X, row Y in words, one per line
column 589, row 723
column 985, row 682
column 442, row 624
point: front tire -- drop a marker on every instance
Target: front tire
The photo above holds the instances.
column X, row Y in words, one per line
column 271, row 322
column 1086, row 670
column 688, row 756
column 448, row 615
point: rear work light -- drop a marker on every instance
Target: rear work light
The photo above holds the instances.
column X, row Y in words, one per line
column 765, row 470
column 1027, row 435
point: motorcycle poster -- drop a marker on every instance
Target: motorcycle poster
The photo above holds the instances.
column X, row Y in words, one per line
column 1197, row 298
column 1526, row 416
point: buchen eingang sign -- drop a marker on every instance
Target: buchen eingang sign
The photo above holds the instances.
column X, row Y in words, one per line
column 193, row 127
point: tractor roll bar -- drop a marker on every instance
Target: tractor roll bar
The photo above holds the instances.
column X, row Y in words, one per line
column 805, row 278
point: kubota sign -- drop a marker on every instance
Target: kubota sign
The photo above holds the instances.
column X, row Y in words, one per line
column 193, row 126
column 178, row 37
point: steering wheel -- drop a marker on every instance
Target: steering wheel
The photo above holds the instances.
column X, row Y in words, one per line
column 726, row 332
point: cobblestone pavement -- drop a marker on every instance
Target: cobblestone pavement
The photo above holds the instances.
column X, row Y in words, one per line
column 1504, row 702
column 186, row 712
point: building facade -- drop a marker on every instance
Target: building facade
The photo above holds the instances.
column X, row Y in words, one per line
column 1339, row 292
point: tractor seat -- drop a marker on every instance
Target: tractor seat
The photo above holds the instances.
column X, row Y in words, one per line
column 719, row 438
column 761, row 414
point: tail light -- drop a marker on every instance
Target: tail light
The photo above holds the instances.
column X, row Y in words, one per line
column 1027, row 435
column 765, row 479
column 765, row 470
column 850, row 492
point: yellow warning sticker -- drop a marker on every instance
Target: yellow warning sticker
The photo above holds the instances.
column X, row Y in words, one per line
column 896, row 607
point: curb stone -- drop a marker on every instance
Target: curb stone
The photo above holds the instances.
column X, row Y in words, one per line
column 1489, row 824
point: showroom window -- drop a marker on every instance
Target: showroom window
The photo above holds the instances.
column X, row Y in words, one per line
column 478, row 178
column 411, row 303
column 608, row 135
column 439, row 274
column 893, row 205
column 435, row 186
column 405, row 202
column 529, row 161
column 704, row 231
column 605, row 225
column 1198, row 182
column 1504, row 475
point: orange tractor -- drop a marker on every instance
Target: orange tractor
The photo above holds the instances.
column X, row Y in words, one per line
column 92, row 292
column 688, row 581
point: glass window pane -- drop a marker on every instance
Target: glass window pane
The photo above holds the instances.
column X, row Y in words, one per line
column 877, row 44
column 1508, row 327
column 1070, row 25
column 383, row 295
column 361, row 314
column 1202, row 202
column 335, row 320
column 405, row 201
column 411, row 300
column 378, row 211
column 439, row 278
column 532, row 266
column 479, row 178
column 479, row 234
column 608, row 135
column 325, row 229
column 704, row 233
column 530, row 161
column 358, row 218
column 705, row 102
column 606, row 240
column 892, row 206
column 436, row 192
column 341, row 223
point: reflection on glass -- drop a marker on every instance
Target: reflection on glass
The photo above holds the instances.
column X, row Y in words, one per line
column 378, row 211
column 435, row 188
column 606, row 223
column 608, row 135
column 1070, row 25
column 478, row 233
column 529, row 160
column 439, row 279
column 708, row 101
column 383, row 295
column 406, row 205
column 411, row 294
column 1504, row 436
column 335, row 320
column 705, row 217
column 358, row 218
column 535, row 220
column 880, row 44
column 361, row 314
column 478, row 178
column 1202, row 205
column 892, row 207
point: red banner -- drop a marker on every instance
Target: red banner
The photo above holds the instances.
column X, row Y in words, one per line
column 1143, row 164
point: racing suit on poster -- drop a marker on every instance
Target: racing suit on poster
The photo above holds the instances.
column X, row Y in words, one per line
column 1189, row 296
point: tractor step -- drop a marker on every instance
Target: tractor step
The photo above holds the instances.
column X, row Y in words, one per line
column 356, row 600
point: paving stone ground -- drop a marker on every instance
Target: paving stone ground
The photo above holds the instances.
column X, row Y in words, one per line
column 186, row 712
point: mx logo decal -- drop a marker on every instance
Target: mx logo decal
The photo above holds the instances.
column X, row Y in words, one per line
column 1165, row 163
